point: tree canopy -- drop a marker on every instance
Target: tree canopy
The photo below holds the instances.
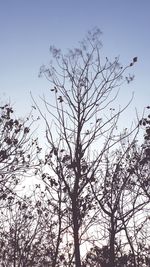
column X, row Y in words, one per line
column 90, row 204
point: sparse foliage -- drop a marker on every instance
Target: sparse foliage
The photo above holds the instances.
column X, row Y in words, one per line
column 17, row 152
column 91, row 205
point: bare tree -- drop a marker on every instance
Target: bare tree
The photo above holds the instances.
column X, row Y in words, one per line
column 30, row 229
column 119, row 197
column 19, row 230
column 83, row 122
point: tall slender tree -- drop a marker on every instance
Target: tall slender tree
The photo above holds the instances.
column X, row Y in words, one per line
column 83, row 123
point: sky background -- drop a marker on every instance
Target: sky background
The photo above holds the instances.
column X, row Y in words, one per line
column 29, row 27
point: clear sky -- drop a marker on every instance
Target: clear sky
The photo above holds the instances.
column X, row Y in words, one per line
column 29, row 27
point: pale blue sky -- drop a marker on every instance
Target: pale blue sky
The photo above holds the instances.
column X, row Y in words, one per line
column 29, row 27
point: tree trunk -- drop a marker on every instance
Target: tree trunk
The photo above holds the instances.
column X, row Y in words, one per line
column 59, row 233
column 112, row 244
column 130, row 243
column 76, row 233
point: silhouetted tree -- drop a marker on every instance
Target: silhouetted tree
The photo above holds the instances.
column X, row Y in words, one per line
column 83, row 126
column 29, row 228
column 17, row 152
column 98, row 256
column 94, row 185
column 119, row 197
column 142, row 167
